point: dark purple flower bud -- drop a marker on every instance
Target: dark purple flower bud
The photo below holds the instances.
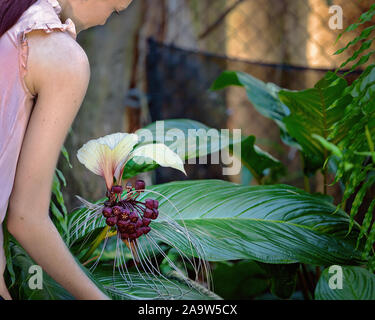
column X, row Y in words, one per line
column 124, row 217
column 107, row 212
column 125, row 210
column 111, row 222
column 139, row 223
column 117, row 189
column 156, row 204
column 122, row 223
column 117, row 210
column 148, row 213
column 131, row 228
column 146, row 230
column 155, row 214
column 146, row 222
column 133, row 216
column 140, row 185
column 122, row 229
column 125, row 214
column 132, row 236
column 149, row 203
column 124, row 236
column 139, row 232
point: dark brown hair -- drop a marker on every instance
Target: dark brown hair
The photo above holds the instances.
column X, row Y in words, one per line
column 11, row 11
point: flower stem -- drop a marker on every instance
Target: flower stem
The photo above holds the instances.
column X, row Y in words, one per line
column 96, row 243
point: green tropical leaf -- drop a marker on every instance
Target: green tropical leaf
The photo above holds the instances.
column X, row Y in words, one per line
column 185, row 137
column 264, row 96
column 365, row 17
column 271, row 224
column 6, row 246
column 313, row 113
column 357, row 284
column 66, row 156
column 140, row 288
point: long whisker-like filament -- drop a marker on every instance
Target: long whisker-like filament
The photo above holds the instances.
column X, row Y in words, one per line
column 147, row 245
column 93, row 267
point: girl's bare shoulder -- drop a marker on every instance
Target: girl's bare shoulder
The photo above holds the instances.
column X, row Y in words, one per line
column 55, row 57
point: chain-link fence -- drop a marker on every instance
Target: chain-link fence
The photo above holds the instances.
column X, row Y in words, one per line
column 272, row 31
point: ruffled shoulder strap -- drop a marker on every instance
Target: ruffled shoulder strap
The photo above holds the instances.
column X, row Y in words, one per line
column 43, row 15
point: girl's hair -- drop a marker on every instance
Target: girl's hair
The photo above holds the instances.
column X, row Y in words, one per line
column 11, row 11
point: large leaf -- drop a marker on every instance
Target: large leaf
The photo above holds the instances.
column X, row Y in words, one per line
column 271, row 224
column 313, row 112
column 141, row 288
column 262, row 95
column 357, row 284
column 191, row 140
column 188, row 138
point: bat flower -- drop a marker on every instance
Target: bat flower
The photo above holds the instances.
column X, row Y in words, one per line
column 127, row 215
column 108, row 156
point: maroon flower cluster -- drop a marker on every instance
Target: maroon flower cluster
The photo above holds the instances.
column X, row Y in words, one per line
column 132, row 218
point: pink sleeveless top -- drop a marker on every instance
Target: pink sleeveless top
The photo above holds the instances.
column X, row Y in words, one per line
column 16, row 102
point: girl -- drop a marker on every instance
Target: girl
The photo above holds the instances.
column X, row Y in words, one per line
column 44, row 75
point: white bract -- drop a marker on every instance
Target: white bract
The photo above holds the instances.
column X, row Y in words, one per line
column 108, row 156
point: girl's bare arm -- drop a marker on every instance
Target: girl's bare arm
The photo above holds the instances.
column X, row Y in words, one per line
column 58, row 72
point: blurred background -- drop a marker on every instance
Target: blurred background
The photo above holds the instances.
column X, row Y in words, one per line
column 158, row 59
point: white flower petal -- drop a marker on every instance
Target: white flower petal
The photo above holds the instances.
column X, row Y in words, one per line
column 121, row 153
column 92, row 154
column 105, row 156
column 161, row 154
column 113, row 140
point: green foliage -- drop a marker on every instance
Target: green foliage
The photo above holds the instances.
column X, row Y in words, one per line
column 354, row 133
column 263, row 96
column 283, row 279
column 331, row 120
column 358, row 284
column 313, row 112
column 271, row 224
column 142, row 289
column 57, row 203
column 186, row 137
column 191, row 139
column 242, row 280
column 364, row 37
